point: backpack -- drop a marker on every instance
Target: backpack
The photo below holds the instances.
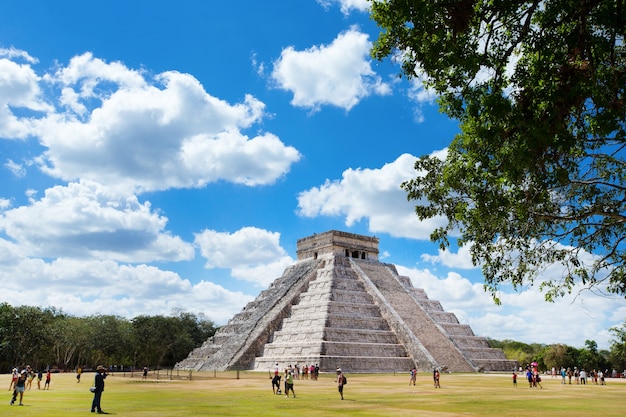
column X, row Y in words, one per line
column 345, row 380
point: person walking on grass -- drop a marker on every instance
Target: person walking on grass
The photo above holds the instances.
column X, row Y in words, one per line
column 341, row 381
column 48, row 377
column 413, row 376
column 276, row 384
column 20, row 386
column 436, row 377
column 14, row 376
column 289, row 384
column 30, row 375
column 98, row 389
column 514, row 379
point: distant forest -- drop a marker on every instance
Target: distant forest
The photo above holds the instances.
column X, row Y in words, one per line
column 47, row 337
column 560, row 355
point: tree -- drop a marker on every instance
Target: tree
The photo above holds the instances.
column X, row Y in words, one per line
column 112, row 340
column 536, row 175
column 559, row 356
column 25, row 335
column 618, row 346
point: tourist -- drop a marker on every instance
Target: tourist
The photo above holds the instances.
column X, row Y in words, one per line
column 48, row 377
column 98, row 388
column 20, row 386
column 79, row 371
column 340, row 382
column 289, row 384
column 39, row 377
column 276, row 384
column 514, row 379
column 413, row 376
column 31, row 376
column 601, row 377
column 563, row 375
column 569, row 375
column 14, row 377
column 583, row 377
column 537, row 379
column 436, row 377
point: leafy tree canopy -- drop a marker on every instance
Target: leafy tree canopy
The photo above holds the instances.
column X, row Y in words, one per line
column 536, row 176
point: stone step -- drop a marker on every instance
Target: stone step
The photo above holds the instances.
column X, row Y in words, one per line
column 326, row 348
column 456, row 329
column 444, row 317
column 317, row 321
column 333, row 307
column 346, row 296
column 335, row 335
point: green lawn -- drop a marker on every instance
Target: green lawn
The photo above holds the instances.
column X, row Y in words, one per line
column 365, row 395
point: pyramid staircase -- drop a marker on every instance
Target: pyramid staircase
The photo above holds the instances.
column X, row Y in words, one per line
column 336, row 323
column 339, row 307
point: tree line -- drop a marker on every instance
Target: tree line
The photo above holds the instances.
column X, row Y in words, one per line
column 48, row 337
column 563, row 356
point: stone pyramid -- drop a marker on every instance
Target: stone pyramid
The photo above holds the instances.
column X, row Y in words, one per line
column 339, row 306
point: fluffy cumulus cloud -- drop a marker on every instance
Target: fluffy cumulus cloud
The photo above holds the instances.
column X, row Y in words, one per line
column 252, row 254
column 372, row 194
column 87, row 220
column 122, row 128
column 462, row 259
column 339, row 74
column 20, row 93
column 523, row 315
column 83, row 288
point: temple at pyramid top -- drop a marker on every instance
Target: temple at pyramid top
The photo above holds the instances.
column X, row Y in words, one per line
column 336, row 243
column 339, row 306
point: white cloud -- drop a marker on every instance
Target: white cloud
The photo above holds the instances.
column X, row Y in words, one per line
column 13, row 54
column 253, row 254
column 19, row 89
column 372, row 194
column 116, row 126
column 338, row 74
column 15, row 168
column 462, row 259
column 347, row 5
column 86, row 219
column 83, row 288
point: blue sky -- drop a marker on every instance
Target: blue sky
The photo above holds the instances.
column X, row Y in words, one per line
column 158, row 155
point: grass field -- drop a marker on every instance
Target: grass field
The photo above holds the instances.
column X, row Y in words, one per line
column 365, row 395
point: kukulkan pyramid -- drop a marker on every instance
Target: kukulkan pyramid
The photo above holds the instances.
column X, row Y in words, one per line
column 339, row 306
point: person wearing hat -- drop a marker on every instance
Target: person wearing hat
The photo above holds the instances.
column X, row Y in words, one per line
column 20, row 385
column 98, row 388
column 340, row 382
